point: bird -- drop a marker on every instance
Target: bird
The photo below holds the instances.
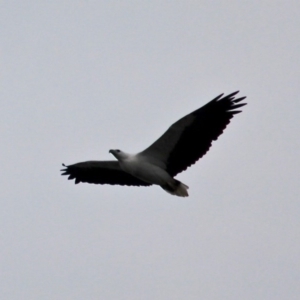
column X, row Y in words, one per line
column 182, row 145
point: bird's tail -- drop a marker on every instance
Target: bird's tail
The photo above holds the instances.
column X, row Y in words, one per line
column 177, row 188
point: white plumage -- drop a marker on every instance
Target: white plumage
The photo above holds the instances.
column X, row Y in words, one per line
column 180, row 146
column 141, row 167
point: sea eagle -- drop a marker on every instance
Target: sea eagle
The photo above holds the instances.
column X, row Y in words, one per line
column 179, row 147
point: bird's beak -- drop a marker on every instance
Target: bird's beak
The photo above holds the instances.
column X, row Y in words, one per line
column 110, row 151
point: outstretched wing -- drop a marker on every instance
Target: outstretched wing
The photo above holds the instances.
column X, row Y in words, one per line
column 190, row 138
column 101, row 172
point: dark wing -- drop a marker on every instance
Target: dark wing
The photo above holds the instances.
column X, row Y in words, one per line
column 101, row 172
column 190, row 138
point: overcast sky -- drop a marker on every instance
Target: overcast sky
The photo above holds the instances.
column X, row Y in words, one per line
column 81, row 77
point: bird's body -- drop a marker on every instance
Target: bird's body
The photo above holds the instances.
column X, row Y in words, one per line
column 180, row 146
column 138, row 166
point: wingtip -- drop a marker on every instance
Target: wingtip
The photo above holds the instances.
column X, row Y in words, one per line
column 232, row 94
column 236, row 112
column 239, row 99
column 235, row 106
column 63, row 170
column 218, row 97
column 228, row 97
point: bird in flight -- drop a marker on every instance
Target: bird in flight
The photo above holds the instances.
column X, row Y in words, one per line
column 186, row 141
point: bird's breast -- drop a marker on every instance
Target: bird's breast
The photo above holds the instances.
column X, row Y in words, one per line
column 145, row 171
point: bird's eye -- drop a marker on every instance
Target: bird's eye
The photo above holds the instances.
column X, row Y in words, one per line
column 118, row 150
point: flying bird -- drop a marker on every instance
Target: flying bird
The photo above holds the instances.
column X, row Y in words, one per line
column 186, row 141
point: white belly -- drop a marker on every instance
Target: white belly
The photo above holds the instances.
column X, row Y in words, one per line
column 146, row 172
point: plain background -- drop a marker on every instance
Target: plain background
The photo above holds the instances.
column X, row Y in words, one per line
column 81, row 77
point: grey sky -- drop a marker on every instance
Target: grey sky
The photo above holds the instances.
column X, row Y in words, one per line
column 81, row 77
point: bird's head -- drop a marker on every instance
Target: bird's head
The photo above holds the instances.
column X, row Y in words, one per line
column 118, row 154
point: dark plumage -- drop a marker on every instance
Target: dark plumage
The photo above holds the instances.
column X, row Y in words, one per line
column 101, row 172
column 186, row 141
column 197, row 131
